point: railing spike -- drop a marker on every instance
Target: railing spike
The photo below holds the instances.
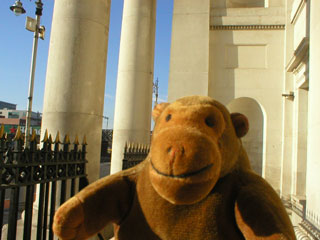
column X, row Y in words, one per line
column 142, row 148
column 33, row 136
column 57, row 140
column 134, row 146
column 50, row 139
column 76, row 140
column 18, row 134
column 1, row 131
column 45, row 137
column 84, row 141
column 66, row 139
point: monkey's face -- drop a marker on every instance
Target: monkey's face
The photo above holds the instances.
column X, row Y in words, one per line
column 188, row 148
column 185, row 158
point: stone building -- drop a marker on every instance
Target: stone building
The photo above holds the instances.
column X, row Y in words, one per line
column 258, row 57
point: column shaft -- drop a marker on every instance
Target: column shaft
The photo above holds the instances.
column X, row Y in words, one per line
column 313, row 163
column 132, row 118
column 75, row 81
column 287, row 112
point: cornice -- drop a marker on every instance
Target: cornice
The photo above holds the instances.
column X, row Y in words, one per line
column 297, row 7
column 299, row 55
column 247, row 27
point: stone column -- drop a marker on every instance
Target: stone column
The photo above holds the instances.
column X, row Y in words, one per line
column 313, row 163
column 76, row 72
column 132, row 119
column 189, row 60
column 75, row 81
column 287, row 112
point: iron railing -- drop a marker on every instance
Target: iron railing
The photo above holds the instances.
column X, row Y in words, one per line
column 134, row 153
column 106, row 145
column 25, row 168
column 309, row 227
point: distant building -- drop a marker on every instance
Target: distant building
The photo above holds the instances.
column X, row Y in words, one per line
column 6, row 105
column 12, row 118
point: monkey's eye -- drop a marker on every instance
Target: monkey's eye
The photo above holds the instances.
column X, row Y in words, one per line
column 210, row 121
column 168, row 117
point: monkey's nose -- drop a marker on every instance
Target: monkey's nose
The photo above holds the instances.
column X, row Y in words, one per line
column 175, row 151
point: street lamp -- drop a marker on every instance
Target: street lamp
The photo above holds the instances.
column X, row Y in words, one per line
column 32, row 25
column 17, row 8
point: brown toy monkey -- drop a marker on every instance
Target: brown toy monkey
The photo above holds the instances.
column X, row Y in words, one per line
column 196, row 183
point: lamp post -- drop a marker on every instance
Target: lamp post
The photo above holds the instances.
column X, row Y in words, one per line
column 156, row 90
column 32, row 25
column 104, row 117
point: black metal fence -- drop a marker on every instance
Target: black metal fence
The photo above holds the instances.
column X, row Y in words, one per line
column 106, row 145
column 309, row 224
column 134, row 153
column 24, row 169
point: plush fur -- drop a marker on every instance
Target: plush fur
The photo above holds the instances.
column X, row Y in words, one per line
column 196, row 183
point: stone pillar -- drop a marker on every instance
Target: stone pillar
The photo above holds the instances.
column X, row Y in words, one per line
column 313, row 163
column 287, row 112
column 76, row 72
column 75, row 81
column 132, row 119
column 189, row 60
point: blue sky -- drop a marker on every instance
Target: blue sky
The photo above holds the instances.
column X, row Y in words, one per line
column 16, row 48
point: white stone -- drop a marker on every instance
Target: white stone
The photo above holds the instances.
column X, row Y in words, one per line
column 313, row 163
column 189, row 60
column 132, row 120
column 75, row 82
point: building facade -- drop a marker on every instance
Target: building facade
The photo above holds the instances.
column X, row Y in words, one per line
column 7, row 105
column 259, row 58
column 11, row 118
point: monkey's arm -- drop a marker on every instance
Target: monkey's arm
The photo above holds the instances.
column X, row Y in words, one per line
column 104, row 201
column 259, row 212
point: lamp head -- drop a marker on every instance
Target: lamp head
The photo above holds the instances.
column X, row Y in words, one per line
column 17, row 8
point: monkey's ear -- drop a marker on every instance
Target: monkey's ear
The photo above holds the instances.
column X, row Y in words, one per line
column 240, row 123
column 158, row 109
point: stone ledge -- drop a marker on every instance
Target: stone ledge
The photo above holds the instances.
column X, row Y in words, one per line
column 247, row 27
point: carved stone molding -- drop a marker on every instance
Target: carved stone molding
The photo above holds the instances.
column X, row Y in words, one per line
column 247, row 27
column 300, row 54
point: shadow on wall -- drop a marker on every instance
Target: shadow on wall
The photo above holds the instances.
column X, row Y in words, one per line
column 239, row 3
column 222, row 60
column 253, row 142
